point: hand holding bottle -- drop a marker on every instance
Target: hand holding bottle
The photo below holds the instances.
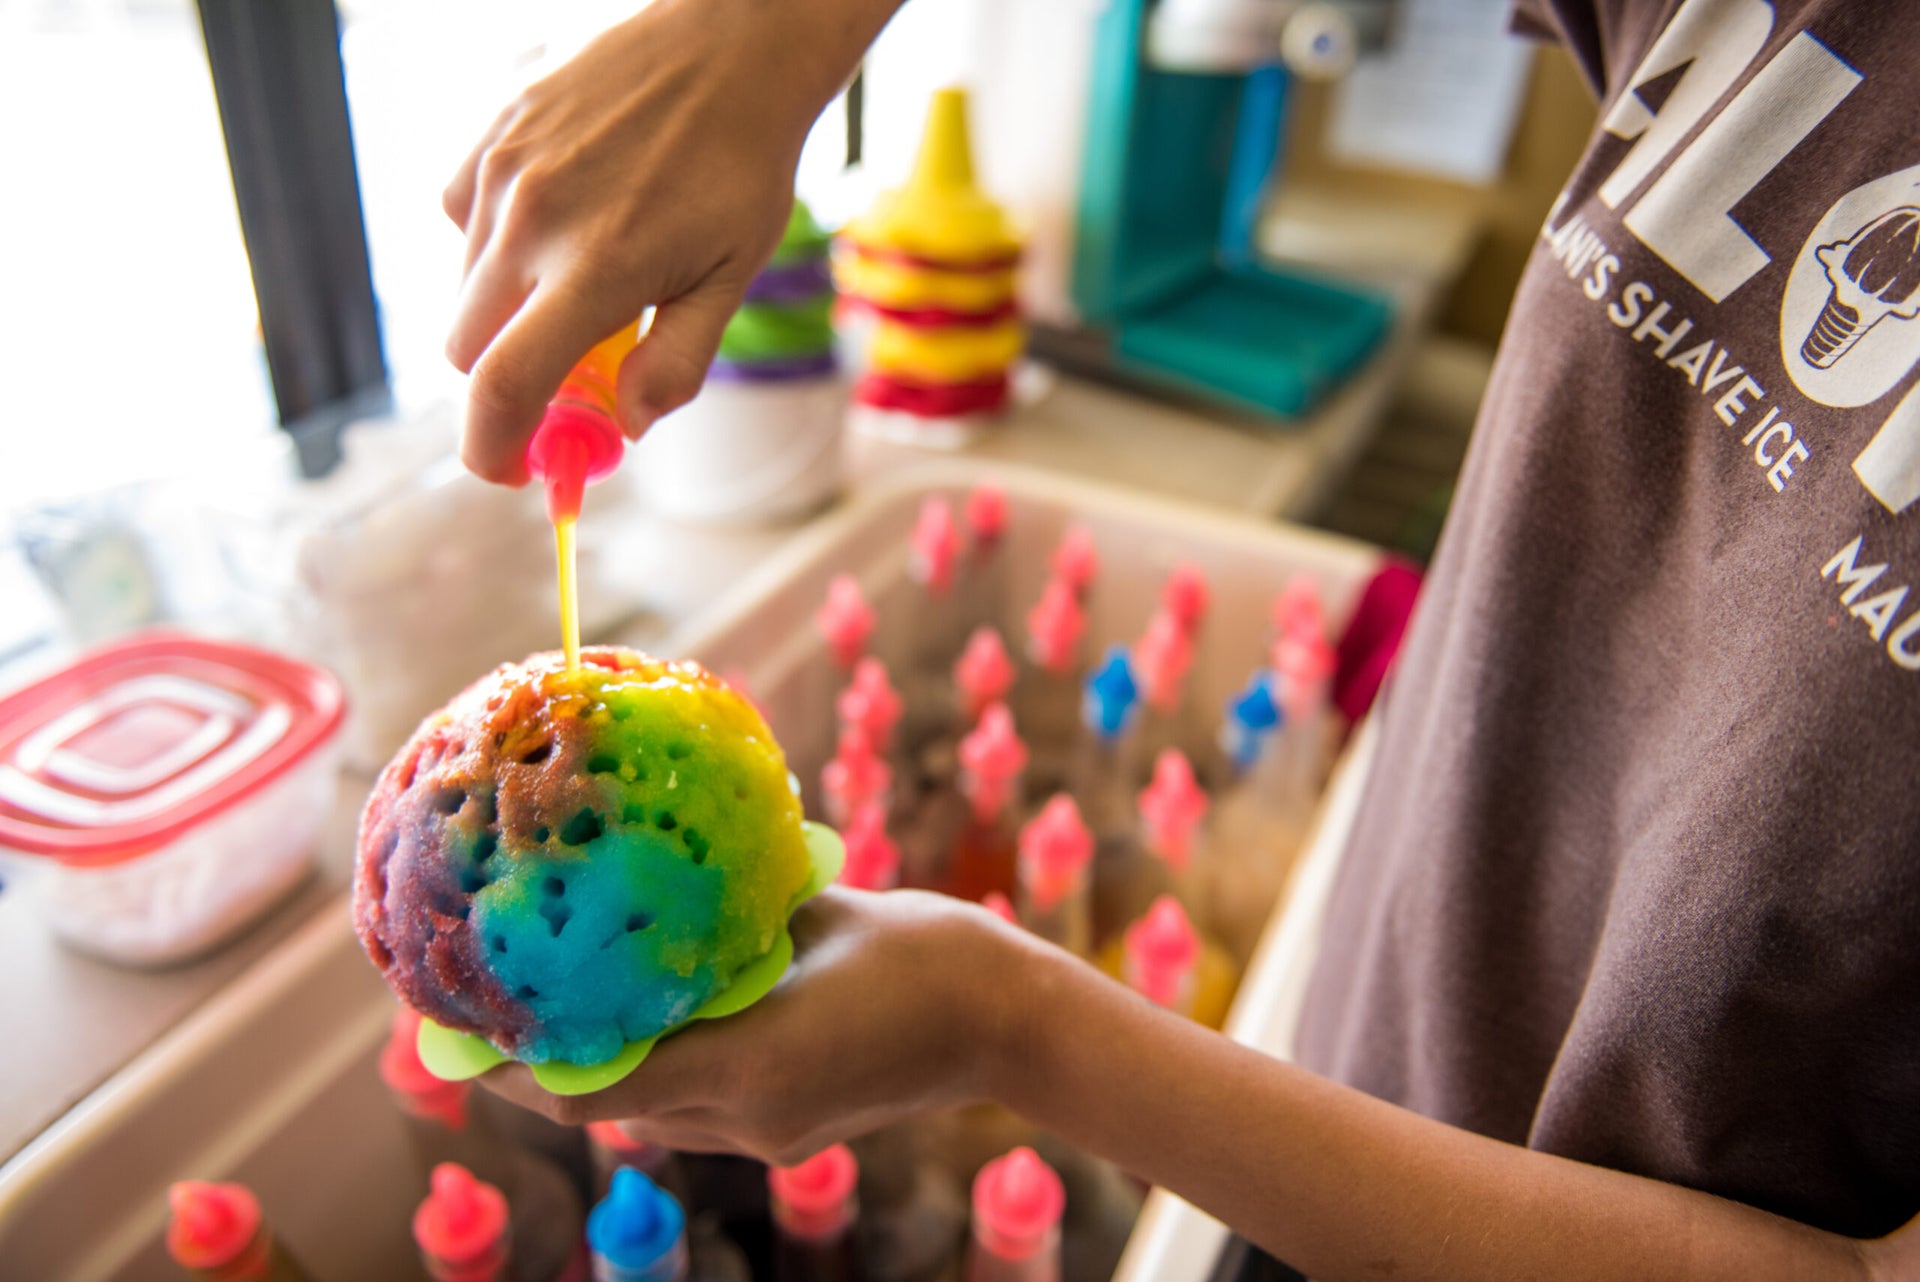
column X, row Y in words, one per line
column 654, row 169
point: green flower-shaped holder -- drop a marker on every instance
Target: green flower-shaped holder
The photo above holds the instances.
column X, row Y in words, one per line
column 454, row 1056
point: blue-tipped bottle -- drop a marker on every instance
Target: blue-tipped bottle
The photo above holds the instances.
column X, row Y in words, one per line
column 1111, row 700
column 1252, row 718
column 637, row 1233
column 1100, row 783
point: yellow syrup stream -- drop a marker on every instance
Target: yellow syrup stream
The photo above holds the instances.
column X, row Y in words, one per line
column 569, row 593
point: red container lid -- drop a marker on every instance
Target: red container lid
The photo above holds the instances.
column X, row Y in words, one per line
column 139, row 742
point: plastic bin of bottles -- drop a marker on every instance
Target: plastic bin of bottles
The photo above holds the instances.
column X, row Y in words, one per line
column 277, row 1081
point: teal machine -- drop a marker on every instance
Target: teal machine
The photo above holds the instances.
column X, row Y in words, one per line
column 1175, row 168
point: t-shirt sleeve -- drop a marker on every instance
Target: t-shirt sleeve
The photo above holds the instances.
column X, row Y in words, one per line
column 1573, row 23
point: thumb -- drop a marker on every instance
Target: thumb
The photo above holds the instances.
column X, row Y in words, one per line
column 665, row 371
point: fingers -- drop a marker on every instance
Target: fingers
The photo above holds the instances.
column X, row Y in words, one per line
column 495, row 289
column 667, row 369
column 679, row 1137
column 517, row 372
column 457, row 199
column 459, row 195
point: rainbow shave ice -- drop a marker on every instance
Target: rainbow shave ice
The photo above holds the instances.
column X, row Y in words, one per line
column 562, row 863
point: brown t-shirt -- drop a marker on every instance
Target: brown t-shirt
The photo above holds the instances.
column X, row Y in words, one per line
column 1637, row 877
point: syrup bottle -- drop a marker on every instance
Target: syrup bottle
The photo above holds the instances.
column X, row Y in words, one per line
column 934, row 630
column 870, row 704
column 1165, row 960
column 1161, row 660
column 913, row 1213
column 1076, row 562
column 445, row 1127
column 845, row 621
column 638, row 1233
column 1101, row 784
column 982, row 675
column 216, row 1233
column 815, row 1213
column 1017, row 1204
column 854, row 777
column 1258, row 821
column 1185, row 595
column 982, row 585
column 1172, row 807
column 984, row 852
column 462, row 1229
column 873, row 858
column 1055, row 859
column 1047, row 702
column 612, row 1148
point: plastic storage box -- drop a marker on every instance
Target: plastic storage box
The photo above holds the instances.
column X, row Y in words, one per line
column 160, row 793
column 273, row 1082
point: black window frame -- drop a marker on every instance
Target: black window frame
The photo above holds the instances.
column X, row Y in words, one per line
column 280, row 85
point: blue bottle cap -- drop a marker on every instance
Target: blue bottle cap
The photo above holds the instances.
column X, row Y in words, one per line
column 1111, row 696
column 1252, row 717
column 637, row 1224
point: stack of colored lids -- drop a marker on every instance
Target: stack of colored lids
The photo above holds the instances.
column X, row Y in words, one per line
column 784, row 329
column 934, row 263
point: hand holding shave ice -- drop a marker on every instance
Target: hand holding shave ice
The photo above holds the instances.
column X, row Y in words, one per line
column 562, row 866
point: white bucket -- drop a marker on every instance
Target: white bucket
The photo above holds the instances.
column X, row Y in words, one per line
column 742, row 453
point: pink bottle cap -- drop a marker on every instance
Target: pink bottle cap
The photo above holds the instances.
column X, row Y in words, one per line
column 1298, row 611
column 1000, row 906
column 1304, row 667
column 873, row 858
column 857, row 774
column 1162, row 951
column 213, row 1226
column 1075, row 560
column 461, row 1226
column 1185, row 595
column 573, row 446
column 609, row 1136
column 871, row 703
column 983, row 672
column 419, row 1091
column 1160, row 661
column 815, row 1199
column 1054, row 628
column 1055, row 849
column 1171, row 808
column 992, row 756
column 935, row 545
column 1017, row 1204
column 987, row 514
column 845, row 619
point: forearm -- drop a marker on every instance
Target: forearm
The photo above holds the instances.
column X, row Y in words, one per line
column 1341, row 1185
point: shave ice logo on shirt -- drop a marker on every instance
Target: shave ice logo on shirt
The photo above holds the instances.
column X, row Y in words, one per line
column 1850, row 323
column 1850, row 311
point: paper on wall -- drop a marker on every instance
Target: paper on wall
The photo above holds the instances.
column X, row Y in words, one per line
column 1442, row 97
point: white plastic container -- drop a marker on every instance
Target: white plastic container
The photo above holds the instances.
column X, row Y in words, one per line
column 746, row 452
column 158, row 794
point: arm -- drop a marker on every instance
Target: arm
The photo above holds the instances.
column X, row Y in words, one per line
column 902, row 1002
column 1342, row 1185
column 653, row 169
